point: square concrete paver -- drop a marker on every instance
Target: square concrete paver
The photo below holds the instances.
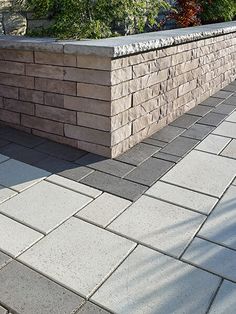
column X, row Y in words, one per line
column 6, row 193
column 213, row 144
column 74, row 186
column 185, row 121
column 203, row 172
column 220, row 227
column 44, row 206
column 167, row 134
column 212, row 102
column 27, row 292
column 4, row 259
column 225, row 300
column 150, row 282
column 198, row 131
column 90, row 308
column 212, row 118
column 182, row 197
column 15, row 237
column 3, row 158
column 2, row 310
column 212, row 257
column 199, row 110
column 78, row 255
column 180, row 146
column 19, row 176
column 230, row 150
column 104, row 209
column 227, row 129
column 224, row 109
column 158, row 224
column 232, row 117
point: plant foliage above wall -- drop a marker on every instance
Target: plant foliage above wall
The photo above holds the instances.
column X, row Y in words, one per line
column 96, row 18
column 218, row 10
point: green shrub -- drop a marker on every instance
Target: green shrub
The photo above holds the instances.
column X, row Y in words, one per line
column 217, row 10
column 96, row 18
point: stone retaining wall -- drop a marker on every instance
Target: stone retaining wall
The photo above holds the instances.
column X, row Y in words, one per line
column 104, row 97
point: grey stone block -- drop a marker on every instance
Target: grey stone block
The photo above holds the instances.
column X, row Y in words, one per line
column 149, row 171
column 180, row 146
column 167, row 134
column 199, row 110
column 90, row 308
column 26, row 291
column 222, row 94
column 227, row 129
column 212, row 257
column 230, row 101
column 3, row 142
column 185, row 121
column 224, row 109
column 198, row 131
column 153, row 142
column 150, row 282
column 167, row 157
column 212, row 102
column 212, row 118
column 2, row 310
column 230, row 150
column 4, row 259
column 213, row 144
column 232, row 117
column 115, row 185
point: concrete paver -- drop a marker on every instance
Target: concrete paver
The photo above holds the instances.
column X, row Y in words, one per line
column 213, row 144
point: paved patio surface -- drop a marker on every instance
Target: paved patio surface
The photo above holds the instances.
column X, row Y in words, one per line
column 153, row 231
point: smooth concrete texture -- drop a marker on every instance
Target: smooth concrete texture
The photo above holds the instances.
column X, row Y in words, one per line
column 74, row 186
column 227, row 129
column 150, row 282
column 230, row 150
column 104, row 209
column 45, row 206
column 221, row 225
column 225, row 300
column 90, row 308
column 212, row 257
column 3, row 158
column 213, row 144
column 232, row 117
column 2, row 310
column 158, row 224
column 182, row 197
column 203, row 172
column 27, row 292
column 4, row 259
column 19, row 176
column 6, row 193
column 78, row 255
column 15, row 237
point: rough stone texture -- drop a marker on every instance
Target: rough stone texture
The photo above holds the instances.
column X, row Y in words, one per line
column 106, row 96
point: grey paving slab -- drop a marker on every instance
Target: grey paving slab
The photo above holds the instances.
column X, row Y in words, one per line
column 213, row 144
column 44, row 206
column 138, row 154
column 149, row 171
column 25, row 291
column 74, row 186
column 2, row 310
column 114, row 185
column 225, row 300
column 224, row 109
column 212, row 257
column 182, row 197
column 104, row 209
column 180, row 146
column 22, row 153
column 167, row 157
column 60, row 151
column 212, row 118
column 230, row 150
column 153, row 142
column 198, row 131
column 90, row 308
column 22, row 138
column 158, row 224
column 4, row 259
column 15, row 237
column 231, row 100
column 232, row 117
column 110, row 166
column 150, row 282
column 223, row 94
column 203, row 172
column 185, row 121
column 19, row 176
column 6, row 193
column 78, row 255
column 212, row 102
column 3, row 158
column 221, row 225
column 167, row 134
column 3, row 142
column 199, row 110
column 227, row 129
column 230, row 88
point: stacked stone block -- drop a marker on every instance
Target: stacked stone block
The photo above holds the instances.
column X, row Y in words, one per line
column 107, row 105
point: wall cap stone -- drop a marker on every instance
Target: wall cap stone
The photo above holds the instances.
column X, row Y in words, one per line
column 119, row 46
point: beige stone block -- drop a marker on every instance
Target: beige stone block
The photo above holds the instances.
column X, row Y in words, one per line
column 94, row 91
column 120, row 134
column 94, row 121
column 181, row 57
column 121, row 75
column 19, row 106
column 9, row 91
column 119, row 120
column 121, row 104
column 31, row 95
column 42, row 124
column 145, row 68
column 146, row 94
column 54, row 100
column 12, row 67
column 17, row 80
column 55, row 86
column 56, row 114
column 56, row 138
column 187, row 87
column 55, row 58
column 9, row 116
column 87, row 76
column 95, row 148
column 88, row 105
column 146, row 120
column 187, row 66
column 17, row 55
column 120, row 90
column 87, row 135
column 47, row 71
column 94, row 62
